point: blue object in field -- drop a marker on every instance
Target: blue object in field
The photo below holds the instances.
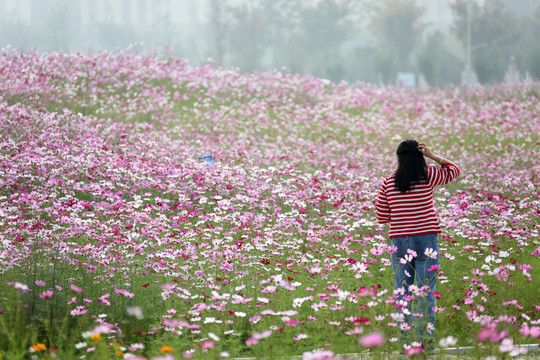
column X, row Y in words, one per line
column 407, row 80
column 207, row 159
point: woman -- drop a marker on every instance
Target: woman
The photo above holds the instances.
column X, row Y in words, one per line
column 406, row 202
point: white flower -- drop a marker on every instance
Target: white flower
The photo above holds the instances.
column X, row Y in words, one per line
column 342, row 295
column 507, row 345
column 359, row 267
column 135, row 311
column 492, row 258
column 213, row 336
column 22, row 287
column 399, row 317
column 136, row 346
column 317, row 354
column 431, row 253
column 448, row 341
column 80, row 345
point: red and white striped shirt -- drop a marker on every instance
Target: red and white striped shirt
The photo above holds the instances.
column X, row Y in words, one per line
column 412, row 213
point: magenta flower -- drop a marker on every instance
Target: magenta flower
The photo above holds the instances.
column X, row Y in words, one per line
column 434, row 268
column 413, row 350
column 332, row 287
column 46, row 294
column 291, row 322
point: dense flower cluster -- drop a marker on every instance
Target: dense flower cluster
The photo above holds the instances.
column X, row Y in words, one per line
column 106, row 214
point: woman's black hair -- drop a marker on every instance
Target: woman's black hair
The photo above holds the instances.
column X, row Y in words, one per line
column 412, row 167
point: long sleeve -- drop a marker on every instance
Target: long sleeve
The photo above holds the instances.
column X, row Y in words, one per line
column 381, row 208
column 443, row 175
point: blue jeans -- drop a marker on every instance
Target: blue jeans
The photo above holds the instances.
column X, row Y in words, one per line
column 417, row 268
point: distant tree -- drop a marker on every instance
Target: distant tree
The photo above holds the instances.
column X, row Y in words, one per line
column 529, row 45
column 398, row 30
column 386, row 61
column 360, row 64
column 303, row 37
column 218, row 29
column 284, row 34
column 495, row 34
column 437, row 63
column 323, row 30
column 16, row 33
column 112, row 35
column 56, row 35
column 248, row 35
column 162, row 32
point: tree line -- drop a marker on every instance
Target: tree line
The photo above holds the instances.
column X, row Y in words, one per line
column 344, row 40
column 334, row 39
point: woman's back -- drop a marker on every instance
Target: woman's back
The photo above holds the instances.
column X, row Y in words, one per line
column 412, row 212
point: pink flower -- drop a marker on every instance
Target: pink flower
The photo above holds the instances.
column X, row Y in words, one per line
column 46, row 294
column 186, row 355
column 40, row 283
column 332, row 287
column 73, row 300
column 490, row 333
column 208, row 344
column 255, row 319
column 262, row 335
column 300, row 337
column 251, row 341
column 434, row 268
column 357, row 330
column 21, row 287
column 103, row 299
column 318, row 355
column 75, row 288
column 79, row 310
column 164, row 357
column 374, row 339
column 291, row 322
column 413, row 350
column 269, row 289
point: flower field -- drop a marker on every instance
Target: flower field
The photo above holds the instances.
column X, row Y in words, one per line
column 116, row 242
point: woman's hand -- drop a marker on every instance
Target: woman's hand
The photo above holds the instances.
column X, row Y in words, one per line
column 423, row 148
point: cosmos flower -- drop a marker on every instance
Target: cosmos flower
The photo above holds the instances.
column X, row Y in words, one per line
column 374, row 339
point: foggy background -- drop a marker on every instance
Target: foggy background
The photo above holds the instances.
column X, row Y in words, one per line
column 437, row 42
